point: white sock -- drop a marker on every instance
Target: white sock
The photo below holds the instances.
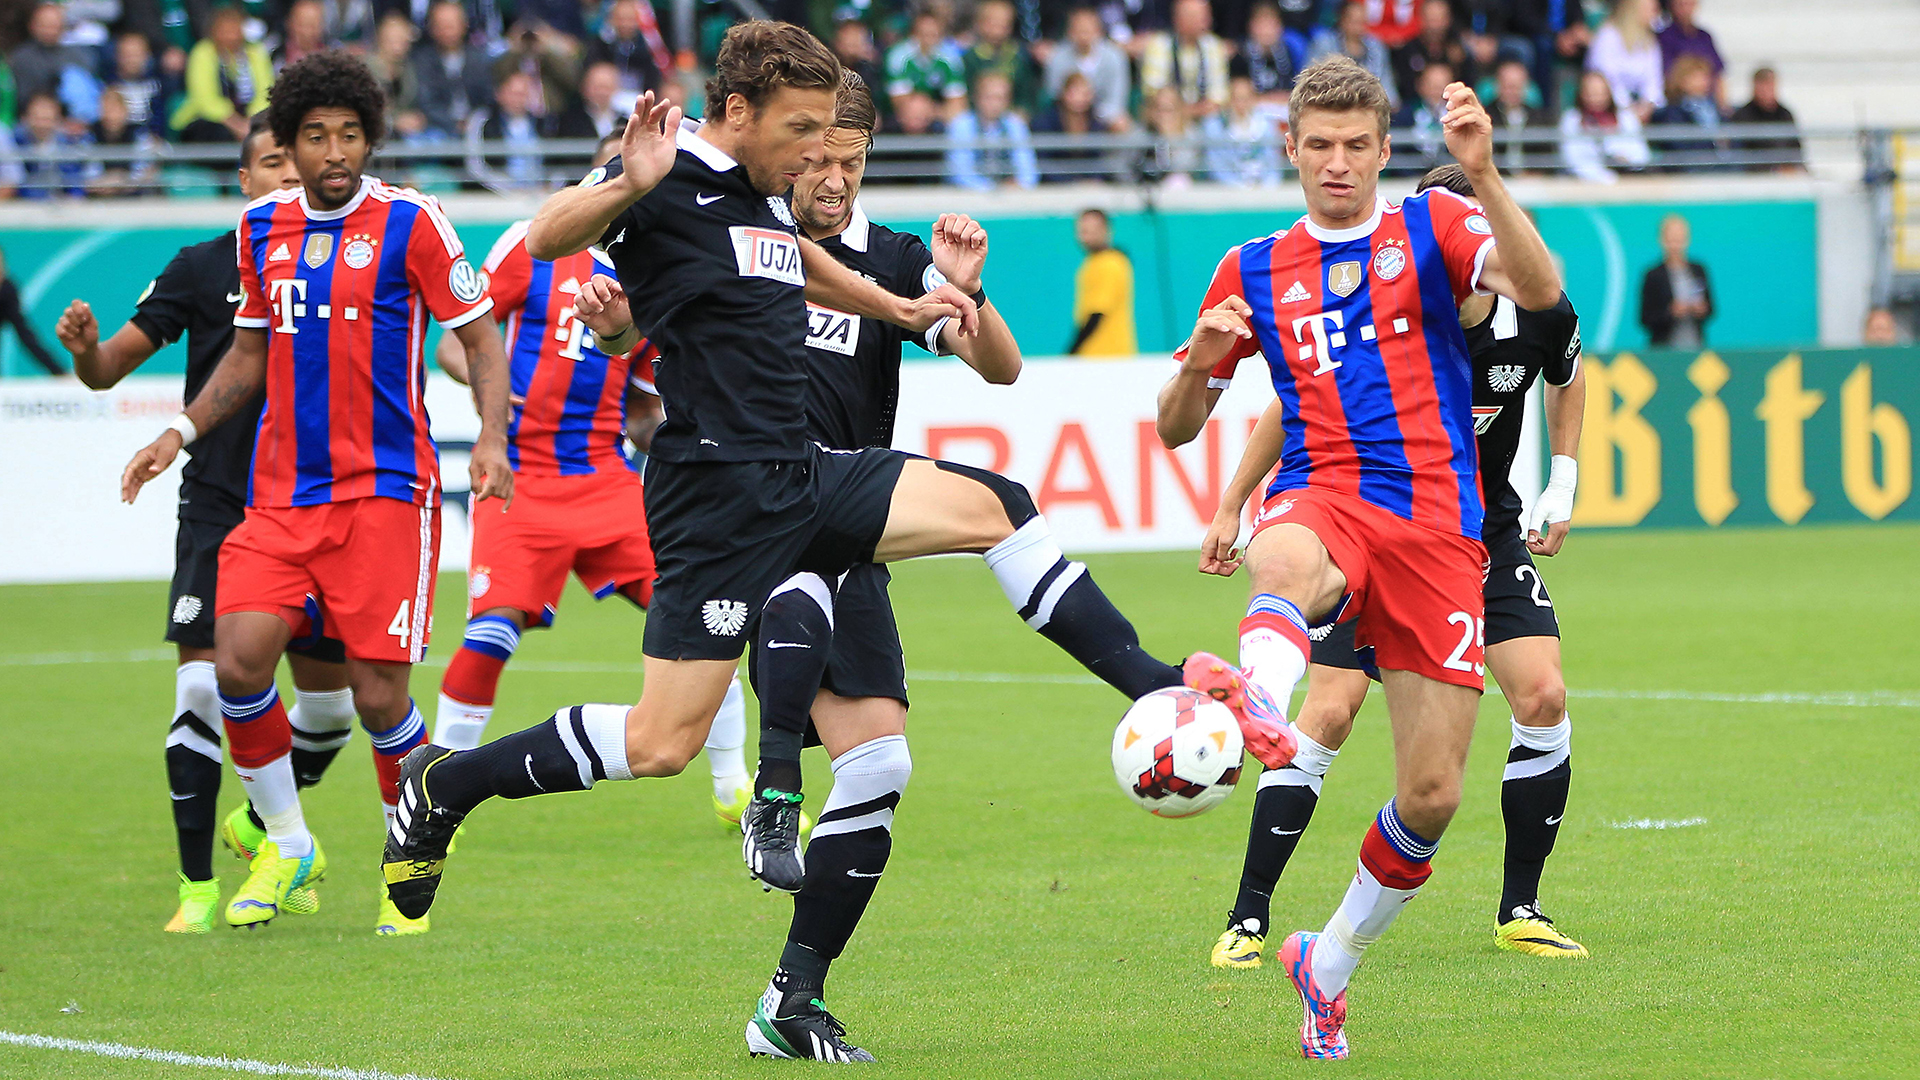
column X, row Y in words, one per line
column 1032, row 572
column 726, row 739
column 873, row 774
column 1546, row 748
column 1271, row 659
column 195, row 691
column 458, row 725
column 271, row 790
column 1308, row 767
column 1364, row 914
column 321, row 719
column 607, row 730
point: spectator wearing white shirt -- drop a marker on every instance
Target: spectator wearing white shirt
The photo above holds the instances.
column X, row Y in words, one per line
column 1087, row 50
column 1191, row 58
column 1626, row 51
column 1243, row 139
column 1350, row 38
column 992, row 117
column 1597, row 137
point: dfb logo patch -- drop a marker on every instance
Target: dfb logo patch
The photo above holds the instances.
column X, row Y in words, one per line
column 724, row 618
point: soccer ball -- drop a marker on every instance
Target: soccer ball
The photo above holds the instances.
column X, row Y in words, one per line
column 1177, row 752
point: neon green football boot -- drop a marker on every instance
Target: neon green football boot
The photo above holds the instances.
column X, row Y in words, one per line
column 242, row 837
column 393, row 924
column 271, row 878
column 198, row 902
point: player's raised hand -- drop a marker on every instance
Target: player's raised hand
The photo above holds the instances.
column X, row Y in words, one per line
column 648, row 146
column 1218, row 553
column 944, row 302
column 1553, row 511
column 77, row 329
column 602, row 305
column 489, row 475
column 1216, row 331
column 960, row 251
column 151, row 461
column 1468, row 128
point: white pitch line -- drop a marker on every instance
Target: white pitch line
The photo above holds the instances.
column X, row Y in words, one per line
column 1659, row 823
column 1847, row 699
column 197, row 1061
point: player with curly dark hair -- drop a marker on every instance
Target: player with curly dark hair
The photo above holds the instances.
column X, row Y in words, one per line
column 329, row 110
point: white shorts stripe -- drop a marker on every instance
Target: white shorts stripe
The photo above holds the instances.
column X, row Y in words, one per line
column 422, row 590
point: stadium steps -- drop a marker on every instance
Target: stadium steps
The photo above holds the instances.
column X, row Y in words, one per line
column 1842, row 63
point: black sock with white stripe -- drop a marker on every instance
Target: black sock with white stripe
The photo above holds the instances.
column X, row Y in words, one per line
column 1533, row 799
column 1282, row 808
column 570, row 751
column 193, row 765
column 789, row 660
column 845, row 857
column 1059, row 599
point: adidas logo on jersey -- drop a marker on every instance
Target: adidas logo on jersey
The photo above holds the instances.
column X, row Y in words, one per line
column 280, row 254
column 724, row 618
column 1297, row 294
column 1506, row 378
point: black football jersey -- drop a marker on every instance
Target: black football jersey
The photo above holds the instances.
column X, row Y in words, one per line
column 196, row 296
column 853, row 362
column 1510, row 349
column 713, row 275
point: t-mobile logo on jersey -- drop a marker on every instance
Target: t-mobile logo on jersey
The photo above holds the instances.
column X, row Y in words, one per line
column 1324, row 342
column 289, row 295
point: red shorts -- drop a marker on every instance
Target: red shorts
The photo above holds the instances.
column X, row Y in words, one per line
column 370, row 562
column 594, row 525
column 1418, row 594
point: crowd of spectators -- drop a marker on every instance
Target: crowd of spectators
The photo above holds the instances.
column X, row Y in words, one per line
column 1007, row 84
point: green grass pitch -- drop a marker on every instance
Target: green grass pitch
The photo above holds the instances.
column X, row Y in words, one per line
column 1032, row 923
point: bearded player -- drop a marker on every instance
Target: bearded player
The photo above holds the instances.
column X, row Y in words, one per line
column 194, row 297
column 338, row 278
column 1376, row 512
column 1512, row 348
column 578, row 504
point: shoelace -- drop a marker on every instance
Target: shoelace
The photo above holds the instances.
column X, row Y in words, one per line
column 782, row 820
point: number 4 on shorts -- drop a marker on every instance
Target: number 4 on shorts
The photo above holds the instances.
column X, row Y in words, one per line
column 401, row 626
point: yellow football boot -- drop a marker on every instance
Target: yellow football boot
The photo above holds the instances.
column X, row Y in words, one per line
column 393, row 924
column 198, row 902
column 242, row 837
column 1533, row 933
column 1238, row 947
column 270, row 879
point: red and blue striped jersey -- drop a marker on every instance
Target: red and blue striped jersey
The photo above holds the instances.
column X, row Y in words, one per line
column 344, row 296
column 1361, row 330
column 569, row 415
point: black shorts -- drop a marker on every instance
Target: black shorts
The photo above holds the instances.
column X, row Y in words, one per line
column 1517, row 606
column 192, row 595
column 866, row 660
column 726, row 534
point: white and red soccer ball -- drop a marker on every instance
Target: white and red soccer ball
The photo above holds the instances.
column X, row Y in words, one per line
column 1177, row 752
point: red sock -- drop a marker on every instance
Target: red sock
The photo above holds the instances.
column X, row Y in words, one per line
column 390, row 746
column 257, row 728
column 472, row 677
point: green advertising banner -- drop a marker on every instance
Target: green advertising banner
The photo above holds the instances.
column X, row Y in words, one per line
column 1762, row 259
column 1749, row 438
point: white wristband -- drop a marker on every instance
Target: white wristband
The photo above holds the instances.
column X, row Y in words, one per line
column 188, row 433
column 1564, row 473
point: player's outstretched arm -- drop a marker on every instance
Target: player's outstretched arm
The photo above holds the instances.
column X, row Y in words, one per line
column 574, row 219
column 1186, row 400
column 1519, row 267
column 1218, row 552
column 236, row 380
column 1566, row 408
column 101, row 364
column 831, row 284
column 488, row 469
column 960, row 254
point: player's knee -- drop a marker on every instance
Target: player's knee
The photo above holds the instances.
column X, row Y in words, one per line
column 238, row 672
column 381, row 704
column 1325, row 722
column 657, row 761
column 1429, row 802
column 1014, row 499
column 1541, row 703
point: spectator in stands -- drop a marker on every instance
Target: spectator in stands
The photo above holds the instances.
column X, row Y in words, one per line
column 1349, row 37
column 562, row 16
column 454, row 76
column 1190, row 58
column 11, row 174
column 13, row 313
column 9, row 97
column 1765, row 108
column 392, row 64
column 1881, row 329
column 1597, row 136
column 1087, row 50
column 551, row 62
column 1496, row 30
column 631, row 42
column 1571, row 40
column 116, row 129
column 1680, row 37
column 510, row 120
column 1627, row 53
column 1393, row 22
column 1425, row 144
column 992, row 117
column 1175, row 156
column 45, row 145
column 1301, row 18
column 227, row 81
column 1516, row 106
column 1072, row 114
column 1690, row 104
column 1243, row 140
column 1676, row 299
column 1264, row 57
column 304, row 33
column 593, row 116
column 1102, row 292
column 352, row 23
column 1438, row 41
column 995, row 48
column 45, row 64
column 853, row 44
column 926, row 61
column 137, row 80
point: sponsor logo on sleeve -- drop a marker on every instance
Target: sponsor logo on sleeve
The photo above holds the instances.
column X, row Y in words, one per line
column 598, row 175
column 767, row 253
column 1477, row 223
column 465, row 282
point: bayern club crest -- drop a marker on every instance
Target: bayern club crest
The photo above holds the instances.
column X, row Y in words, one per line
column 1388, row 263
column 358, row 254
